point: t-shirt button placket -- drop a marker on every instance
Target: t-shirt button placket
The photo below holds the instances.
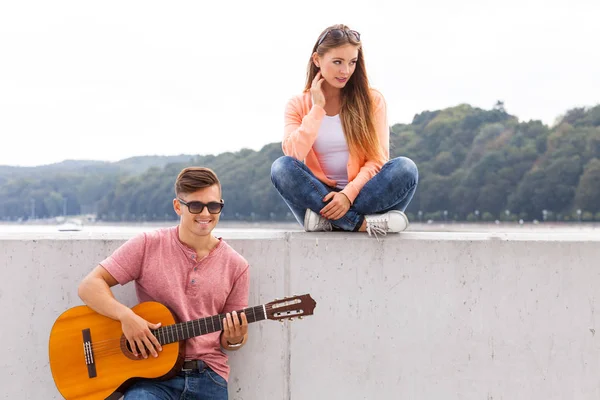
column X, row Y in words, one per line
column 193, row 282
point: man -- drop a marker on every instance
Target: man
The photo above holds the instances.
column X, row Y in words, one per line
column 194, row 274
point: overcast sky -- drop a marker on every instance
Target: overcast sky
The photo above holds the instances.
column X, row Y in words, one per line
column 115, row 79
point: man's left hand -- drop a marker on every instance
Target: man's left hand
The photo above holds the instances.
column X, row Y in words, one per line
column 234, row 331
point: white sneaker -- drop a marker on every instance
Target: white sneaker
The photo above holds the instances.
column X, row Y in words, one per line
column 391, row 221
column 313, row 222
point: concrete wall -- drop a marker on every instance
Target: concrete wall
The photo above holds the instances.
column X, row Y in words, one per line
column 414, row 316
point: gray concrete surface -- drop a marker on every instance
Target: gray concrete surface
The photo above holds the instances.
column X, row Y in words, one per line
column 414, row 316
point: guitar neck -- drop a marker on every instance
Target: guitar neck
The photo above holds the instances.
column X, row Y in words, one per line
column 202, row 326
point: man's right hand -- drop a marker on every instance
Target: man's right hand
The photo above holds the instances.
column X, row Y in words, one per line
column 137, row 331
column 95, row 292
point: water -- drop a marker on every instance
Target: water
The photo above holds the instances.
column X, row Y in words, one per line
column 223, row 226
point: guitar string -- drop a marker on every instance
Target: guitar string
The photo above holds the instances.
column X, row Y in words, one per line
column 197, row 321
column 182, row 325
column 106, row 347
column 109, row 346
column 115, row 348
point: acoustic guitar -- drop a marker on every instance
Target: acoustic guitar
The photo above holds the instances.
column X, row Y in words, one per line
column 90, row 358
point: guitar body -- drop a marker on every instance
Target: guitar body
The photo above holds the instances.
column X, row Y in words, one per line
column 106, row 367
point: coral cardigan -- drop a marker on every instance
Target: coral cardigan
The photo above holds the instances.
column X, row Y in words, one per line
column 302, row 122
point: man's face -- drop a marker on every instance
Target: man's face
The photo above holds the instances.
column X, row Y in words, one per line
column 203, row 223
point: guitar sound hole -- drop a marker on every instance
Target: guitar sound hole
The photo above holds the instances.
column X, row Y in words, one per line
column 139, row 352
column 127, row 352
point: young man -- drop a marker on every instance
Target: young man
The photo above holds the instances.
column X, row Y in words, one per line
column 194, row 274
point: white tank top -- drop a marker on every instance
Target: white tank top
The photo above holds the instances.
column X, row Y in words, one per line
column 332, row 150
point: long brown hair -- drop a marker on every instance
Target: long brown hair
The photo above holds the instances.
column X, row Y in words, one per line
column 357, row 103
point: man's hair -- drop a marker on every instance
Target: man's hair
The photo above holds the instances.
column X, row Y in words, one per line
column 192, row 179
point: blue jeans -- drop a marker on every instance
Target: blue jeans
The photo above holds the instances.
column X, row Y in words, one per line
column 205, row 384
column 392, row 188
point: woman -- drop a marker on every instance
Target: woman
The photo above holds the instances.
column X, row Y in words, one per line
column 335, row 173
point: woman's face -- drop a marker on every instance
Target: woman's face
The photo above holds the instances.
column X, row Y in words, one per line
column 337, row 65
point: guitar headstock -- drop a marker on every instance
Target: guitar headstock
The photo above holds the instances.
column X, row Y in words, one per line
column 290, row 307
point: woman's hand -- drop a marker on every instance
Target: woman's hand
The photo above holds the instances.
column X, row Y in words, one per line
column 318, row 97
column 337, row 207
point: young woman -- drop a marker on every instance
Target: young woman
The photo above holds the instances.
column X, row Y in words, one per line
column 336, row 173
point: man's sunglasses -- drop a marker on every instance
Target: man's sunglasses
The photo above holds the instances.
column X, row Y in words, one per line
column 196, row 207
column 337, row 34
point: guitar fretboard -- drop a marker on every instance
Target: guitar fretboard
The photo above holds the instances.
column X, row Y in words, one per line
column 202, row 326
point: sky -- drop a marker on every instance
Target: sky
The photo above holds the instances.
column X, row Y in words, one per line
column 115, row 79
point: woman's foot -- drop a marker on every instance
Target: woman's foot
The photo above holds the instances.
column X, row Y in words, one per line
column 313, row 222
column 382, row 224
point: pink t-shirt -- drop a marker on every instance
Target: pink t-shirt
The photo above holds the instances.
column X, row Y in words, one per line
column 167, row 271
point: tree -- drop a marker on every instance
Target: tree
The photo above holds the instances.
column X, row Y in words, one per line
column 499, row 106
column 588, row 191
column 468, row 158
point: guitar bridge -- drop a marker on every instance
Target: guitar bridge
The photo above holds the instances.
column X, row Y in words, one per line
column 88, row 351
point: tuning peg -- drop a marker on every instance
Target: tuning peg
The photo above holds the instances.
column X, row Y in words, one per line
column 300, row 317
column 281, row 320
column 291, row 319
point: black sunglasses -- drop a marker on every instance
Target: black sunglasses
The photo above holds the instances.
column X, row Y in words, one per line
column 337, row 34
column 196, row 207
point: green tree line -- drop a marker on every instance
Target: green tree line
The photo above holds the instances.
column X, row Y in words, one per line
column 474, row 164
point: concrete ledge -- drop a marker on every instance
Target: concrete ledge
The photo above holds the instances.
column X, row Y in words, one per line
column 414, row 316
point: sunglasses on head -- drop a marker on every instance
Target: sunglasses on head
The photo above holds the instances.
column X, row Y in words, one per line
column 196, row 207
column 337, row 34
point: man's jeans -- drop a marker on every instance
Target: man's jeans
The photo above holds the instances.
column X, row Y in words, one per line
column 392, row 188
column 187, row 385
